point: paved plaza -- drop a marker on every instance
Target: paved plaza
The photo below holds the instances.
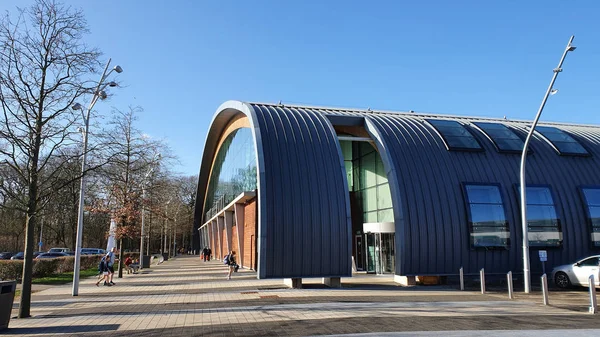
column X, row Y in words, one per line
column 187, row 297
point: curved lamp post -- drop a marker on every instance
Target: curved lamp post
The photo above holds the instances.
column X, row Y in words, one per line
column 550, row 91
column 99, row 93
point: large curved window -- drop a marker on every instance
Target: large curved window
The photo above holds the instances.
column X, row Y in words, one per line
column 233, row 172
column 367, row 177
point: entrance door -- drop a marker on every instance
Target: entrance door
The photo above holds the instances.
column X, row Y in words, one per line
column 380, row 253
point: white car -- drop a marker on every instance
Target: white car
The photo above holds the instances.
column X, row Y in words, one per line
column 577, row 273
column 58, row 250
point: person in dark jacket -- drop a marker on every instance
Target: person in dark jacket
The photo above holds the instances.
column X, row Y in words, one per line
column 205, row 254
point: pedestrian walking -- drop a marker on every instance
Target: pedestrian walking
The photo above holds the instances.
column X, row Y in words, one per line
column 103, row 269
column 229, row 260
column 110, row 264
column 205, row 254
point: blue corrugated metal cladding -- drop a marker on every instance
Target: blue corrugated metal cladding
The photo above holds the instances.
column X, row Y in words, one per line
column 304, row 222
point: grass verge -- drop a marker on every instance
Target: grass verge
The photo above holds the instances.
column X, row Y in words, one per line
column 64, row 277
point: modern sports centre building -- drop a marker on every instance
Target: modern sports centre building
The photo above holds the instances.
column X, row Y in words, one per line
column 302, row 192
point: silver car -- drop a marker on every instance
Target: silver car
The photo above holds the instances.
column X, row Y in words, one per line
column 577, row 273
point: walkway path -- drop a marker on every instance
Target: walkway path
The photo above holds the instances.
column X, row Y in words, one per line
column 187, row 297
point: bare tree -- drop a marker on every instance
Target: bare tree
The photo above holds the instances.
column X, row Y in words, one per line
column 188, row 186
column 43, row 65
column 132, row 155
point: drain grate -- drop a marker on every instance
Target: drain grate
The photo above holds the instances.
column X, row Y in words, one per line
column 248, row 292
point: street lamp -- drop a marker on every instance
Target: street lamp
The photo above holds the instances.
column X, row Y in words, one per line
column 156, row 159
column 97, row 93
column 526, row 271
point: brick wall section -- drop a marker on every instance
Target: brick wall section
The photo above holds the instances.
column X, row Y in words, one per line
column 234, row 242
column 224, row 248
column 250, row 233
column 213, row 242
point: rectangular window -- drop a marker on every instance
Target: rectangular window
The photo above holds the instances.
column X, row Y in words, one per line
column 369, row 201
column 503, row 137
column 592, row 199
column 562, row 141
column 370, row 216
column 543, row 225
column 455, row 135
column 487, row 220
column 385, row 215
column 369, row 174
column 384, row 196
column 381, row 175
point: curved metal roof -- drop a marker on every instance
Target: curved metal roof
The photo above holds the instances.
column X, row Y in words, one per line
column 304, row 219
column 303, row 197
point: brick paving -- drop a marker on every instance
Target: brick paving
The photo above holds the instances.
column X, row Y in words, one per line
column 187, row 297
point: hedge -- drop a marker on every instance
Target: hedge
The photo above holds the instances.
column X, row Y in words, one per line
column 13, row 269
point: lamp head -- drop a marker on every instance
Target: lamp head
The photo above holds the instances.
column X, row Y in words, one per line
column 112, row 84
column 118, row 69
column 76, row 106
column 571, row 48
column 102, row 94
column 553, row 91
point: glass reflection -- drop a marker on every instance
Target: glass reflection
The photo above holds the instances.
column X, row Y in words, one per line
column 489, row 227
column 592, row 197
column 542, row 220
column 455, row 135
column 234, row 171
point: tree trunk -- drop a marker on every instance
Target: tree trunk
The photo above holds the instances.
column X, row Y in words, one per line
column 25, row 304
column 30, row 222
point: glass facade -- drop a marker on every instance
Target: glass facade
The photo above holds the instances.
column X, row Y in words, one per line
column 542, row 221
column 455, row 135
column 592, row 198
column 234, row 171
column 503, row 137
column 487, row 219
column 564, row 143
column 366, row 175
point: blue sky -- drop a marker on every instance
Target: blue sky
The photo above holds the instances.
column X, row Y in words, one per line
column 182, row 59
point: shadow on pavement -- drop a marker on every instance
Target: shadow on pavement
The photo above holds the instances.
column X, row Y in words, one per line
column 61, row 329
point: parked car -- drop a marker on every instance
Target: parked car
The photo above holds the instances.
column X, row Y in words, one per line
column 577, row 273
column 51, row 255
column 6, row 255
column 21, row 255
column 58, row 250
column 92, row 251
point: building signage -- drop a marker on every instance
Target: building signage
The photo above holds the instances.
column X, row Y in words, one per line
column 543, row 255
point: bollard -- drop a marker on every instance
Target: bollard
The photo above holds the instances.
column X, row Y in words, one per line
column 462, row 279
column 545, row 288
column 482, row 278
column 593, row 304
column 509, row 281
